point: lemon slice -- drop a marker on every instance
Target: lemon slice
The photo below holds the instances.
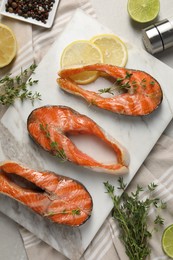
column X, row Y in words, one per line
column 81, row 53
column 8, row 46
column 143, row 10
column 167, row 241
column 113, row 49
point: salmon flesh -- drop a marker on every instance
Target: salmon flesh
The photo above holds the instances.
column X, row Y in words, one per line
column 140, row 94
column 60, row 199
column 49, row 126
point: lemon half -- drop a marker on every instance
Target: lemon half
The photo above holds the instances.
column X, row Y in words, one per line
column 8, row 45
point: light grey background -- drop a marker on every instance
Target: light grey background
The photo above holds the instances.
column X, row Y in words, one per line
column 113, row 14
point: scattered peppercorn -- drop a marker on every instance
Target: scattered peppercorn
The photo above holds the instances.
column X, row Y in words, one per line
column 36, row 9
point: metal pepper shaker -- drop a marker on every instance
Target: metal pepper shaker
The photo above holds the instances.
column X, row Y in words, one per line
column 159, row 36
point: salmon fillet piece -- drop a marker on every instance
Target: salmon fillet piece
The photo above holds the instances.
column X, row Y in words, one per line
column 49, row 127
column 58, row 198
column 142, row 94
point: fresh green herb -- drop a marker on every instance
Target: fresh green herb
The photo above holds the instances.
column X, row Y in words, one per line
column 76, row 212
column 132, row 215
column 159, row 220
column 152, row 83
column 128, row 75
column 119, row 80
column 143, row 80
column 106, row 90
column 163, row 205
column 53, row 144
column 125, row 86
column 45, row 129
column 122, row 185
column 57, row 151
column 134, row 82
column 12, row 88
column 64, row 211
column 143, row 83
column 152, row 186
column 121, row 84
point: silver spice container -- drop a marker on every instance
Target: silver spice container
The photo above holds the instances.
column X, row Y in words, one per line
column 158, row 37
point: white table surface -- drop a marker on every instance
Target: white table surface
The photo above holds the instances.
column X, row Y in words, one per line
column 113, row 14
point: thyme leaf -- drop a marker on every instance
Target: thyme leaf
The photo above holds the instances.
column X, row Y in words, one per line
column 12, row 88
column 131, row 213
column 76, row 212
column 152, row 83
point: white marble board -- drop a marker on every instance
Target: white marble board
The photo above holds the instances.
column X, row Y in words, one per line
column 137, row 134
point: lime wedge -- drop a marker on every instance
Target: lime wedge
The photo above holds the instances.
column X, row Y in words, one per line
column 143, row 11
column 167, row 241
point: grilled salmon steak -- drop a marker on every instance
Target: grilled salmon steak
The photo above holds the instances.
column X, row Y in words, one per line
column 49, row 126
column 58, row 198
column 140, row 94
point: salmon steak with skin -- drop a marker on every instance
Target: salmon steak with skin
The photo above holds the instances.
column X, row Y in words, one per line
column 141, row 95
column 58, row 198
column 49, row 126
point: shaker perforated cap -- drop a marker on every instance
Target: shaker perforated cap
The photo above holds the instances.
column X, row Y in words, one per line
column 158, row 37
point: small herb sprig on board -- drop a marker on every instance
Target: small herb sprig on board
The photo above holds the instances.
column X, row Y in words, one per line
column 125, row 85
column 58, row 152
column 12, row 88
column 132, row 216
column 73, row 212
column 121, row 84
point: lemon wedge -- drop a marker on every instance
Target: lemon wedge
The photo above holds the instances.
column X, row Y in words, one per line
column 80, row 53
column 8, row 45
column 113, row 49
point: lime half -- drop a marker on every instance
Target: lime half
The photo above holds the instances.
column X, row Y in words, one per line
column 167, row 241
column 143, row 11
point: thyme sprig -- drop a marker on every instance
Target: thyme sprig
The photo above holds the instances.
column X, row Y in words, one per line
column 131, row 214
column 121, row 84
column 64, row 211
column 12, row 88
column 57, row 151
column 106, row 90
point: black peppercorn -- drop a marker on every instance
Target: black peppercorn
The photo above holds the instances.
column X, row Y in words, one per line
column 10, row 10
column 14, row 5
column 35, row 9
column 20, row 12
